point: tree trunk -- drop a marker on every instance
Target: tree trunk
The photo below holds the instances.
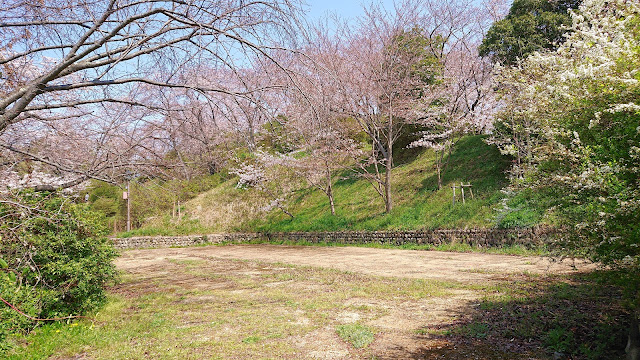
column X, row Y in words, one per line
column 439, row 168
column 251, row 140
column 518, row 157
column 388, row 203
column 330, row 193
column 633, row 343
column 333, row 206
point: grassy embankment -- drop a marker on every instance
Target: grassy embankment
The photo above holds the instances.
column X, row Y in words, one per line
column 418, row 204
column 417, row 201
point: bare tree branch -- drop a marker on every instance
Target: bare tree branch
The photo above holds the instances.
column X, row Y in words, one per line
column 75, row 63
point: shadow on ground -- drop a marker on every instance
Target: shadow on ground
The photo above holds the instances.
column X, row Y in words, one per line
column 531, row 317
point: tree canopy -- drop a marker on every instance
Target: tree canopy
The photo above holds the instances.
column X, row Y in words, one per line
column 531, row 25
column 92, row 81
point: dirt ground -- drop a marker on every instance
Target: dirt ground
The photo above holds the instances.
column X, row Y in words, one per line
column 400, row 323
column 470, row 267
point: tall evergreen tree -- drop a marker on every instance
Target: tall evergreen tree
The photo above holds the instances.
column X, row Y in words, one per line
column 531, row 25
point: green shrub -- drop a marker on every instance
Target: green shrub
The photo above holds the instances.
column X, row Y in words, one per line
column 56, row 259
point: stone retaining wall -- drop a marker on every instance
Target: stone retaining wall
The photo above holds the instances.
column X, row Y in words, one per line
column 474, row 237
column 181, row 240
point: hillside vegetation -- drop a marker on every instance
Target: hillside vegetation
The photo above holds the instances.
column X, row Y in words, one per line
column 418, row 203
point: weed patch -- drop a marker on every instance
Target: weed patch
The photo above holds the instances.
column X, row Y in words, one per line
column 359, row 336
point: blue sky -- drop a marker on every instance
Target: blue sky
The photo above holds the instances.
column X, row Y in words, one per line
column 344, row 8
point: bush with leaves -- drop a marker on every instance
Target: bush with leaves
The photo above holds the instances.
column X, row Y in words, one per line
column 55, row 259
column 573, row 115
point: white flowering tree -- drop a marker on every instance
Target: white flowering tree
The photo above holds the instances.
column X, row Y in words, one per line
column 572, row 118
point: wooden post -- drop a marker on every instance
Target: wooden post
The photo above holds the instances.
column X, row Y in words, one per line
column 128, row 207
column 462, row 191
column 454, row 194
column 471, row 190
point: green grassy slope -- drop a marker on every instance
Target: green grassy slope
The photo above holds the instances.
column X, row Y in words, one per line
column 418, row 204
column 417, row 201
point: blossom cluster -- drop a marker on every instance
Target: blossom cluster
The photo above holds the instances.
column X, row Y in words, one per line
column 12, row 180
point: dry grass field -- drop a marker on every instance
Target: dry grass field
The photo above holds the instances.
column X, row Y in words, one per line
column 289, row 302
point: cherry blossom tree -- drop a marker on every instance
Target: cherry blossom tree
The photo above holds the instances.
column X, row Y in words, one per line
column 62, row 61
column 417, row 65
column 102, row 148
column 324, row 146
column 322, row 139
column 378, row 69
column 267, row 173
column 462, row 101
